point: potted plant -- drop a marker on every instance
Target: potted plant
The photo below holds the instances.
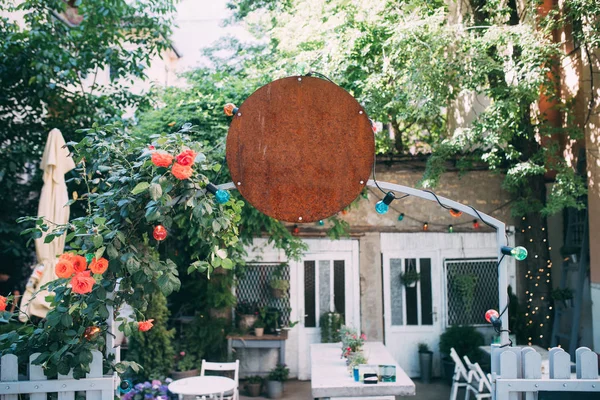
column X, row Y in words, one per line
column 254, row 385
column 185, row 366
column 279, row 287
column 247, row 314
column 465, row 285
column 275, row 380
column 352, row 341
column 465, row 340
column 330, row 323
column 565, row 295
column 259, row 327
column 410, row 278
column 425, row 361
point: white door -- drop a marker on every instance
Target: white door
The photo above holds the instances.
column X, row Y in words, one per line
column 327, row 280
column 411, row 314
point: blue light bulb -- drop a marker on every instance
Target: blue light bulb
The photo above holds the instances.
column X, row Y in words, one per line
column 222, row 196
column 381, row 207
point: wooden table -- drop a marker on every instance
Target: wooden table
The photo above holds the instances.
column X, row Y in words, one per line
column 262, row 342
column 330, row 377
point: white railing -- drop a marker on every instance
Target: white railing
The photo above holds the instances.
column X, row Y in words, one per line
column 96, row 386
column 517, row 371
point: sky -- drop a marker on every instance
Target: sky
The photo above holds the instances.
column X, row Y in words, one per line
column 200, row 24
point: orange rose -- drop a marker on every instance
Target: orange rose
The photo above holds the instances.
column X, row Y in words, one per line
column 79, row 263
column 186, row 157
column 99, row 266
column 145, row 326
column 162, row 159
column 82, row 282
column 66, row 256
column 2, row 303
column 228, row 109
column 181, row 172
column 64, row 268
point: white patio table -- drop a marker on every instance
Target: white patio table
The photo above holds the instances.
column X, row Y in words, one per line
column 202, row 386
column 330, row 377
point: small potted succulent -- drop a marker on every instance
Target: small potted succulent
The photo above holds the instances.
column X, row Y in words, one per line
column 259, row 328
column 425, row 360
column 275, row 380
column 247, row 314
column 410, row 278
column 279, row 287
column 185, row 366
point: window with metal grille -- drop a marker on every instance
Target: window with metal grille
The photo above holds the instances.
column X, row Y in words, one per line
column 471, row 290
column 253, row 287
column 324, row 289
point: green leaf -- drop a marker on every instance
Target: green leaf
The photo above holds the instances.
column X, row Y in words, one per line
column 140, row 187
column 99, row 252
column 155, row 191
column 98, row 240
column 99, row 221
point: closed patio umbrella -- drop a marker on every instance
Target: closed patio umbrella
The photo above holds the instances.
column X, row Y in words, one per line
column 56, row 162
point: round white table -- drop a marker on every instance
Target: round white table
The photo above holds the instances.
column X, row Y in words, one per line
column 202, row 386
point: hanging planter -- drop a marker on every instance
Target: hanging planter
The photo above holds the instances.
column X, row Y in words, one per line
column 410, row 278
column 279, row 287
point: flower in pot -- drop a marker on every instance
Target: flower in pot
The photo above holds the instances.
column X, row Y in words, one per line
column 354, row 361
column 185, row 366
column 254, row 385
column 279, row 287
column 425, row 360
column 275, row 380
column 352, row 341
column 247, row 314
column 259, row 327
column 410, row 278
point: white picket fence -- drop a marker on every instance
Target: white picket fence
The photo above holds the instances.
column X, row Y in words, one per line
column 95, row 385
column 518, row 371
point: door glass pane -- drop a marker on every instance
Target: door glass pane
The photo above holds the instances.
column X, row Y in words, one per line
column 339, row 286
column 310, row 320
column 412, row 316
column 426, row 302
column 324, row 286
column 396, row 291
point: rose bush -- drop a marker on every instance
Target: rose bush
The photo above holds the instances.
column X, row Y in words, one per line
column 131, row 188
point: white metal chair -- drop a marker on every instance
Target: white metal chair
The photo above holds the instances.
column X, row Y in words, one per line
column 479, row 383
column 461, row 377
column 232, row 366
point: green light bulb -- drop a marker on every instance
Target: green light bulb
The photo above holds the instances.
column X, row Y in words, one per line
column 519, row 253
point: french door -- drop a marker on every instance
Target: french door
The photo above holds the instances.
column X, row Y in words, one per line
column 327, row 281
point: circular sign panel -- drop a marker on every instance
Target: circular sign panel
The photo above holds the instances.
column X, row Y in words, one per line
column 300, row 149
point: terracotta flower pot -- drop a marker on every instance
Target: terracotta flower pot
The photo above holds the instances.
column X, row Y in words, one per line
column 258, row 332
column 278, row 293
column 184, row 374
column 253, row 389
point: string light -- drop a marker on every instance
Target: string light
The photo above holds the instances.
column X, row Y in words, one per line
column 383, row 205
column 425, row 226
column 475, row 224
column 221, row 196
column 455, row 213
column 401, row 217
column 450, row 229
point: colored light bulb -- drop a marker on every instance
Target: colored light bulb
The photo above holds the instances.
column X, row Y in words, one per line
column 321, row 222
column 222, row 196
column 455, row 213
column 401, row 217
column 519, row 253
column 450, row 228
column 89, row 257
column 159, row 233
column 381, row 207
column 425, row 226
column 296, row 230
column 491, row 316
column 475, row 224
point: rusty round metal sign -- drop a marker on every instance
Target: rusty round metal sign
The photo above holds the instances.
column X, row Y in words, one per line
column 300, row 149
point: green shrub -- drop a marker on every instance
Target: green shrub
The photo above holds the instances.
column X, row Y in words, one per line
column 465, row 340
column 280, row 373
column 153, row 350
column 331, row 323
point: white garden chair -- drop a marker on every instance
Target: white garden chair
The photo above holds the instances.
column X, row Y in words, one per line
column 480, row 384
column 461, row 377
column 232, row 366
